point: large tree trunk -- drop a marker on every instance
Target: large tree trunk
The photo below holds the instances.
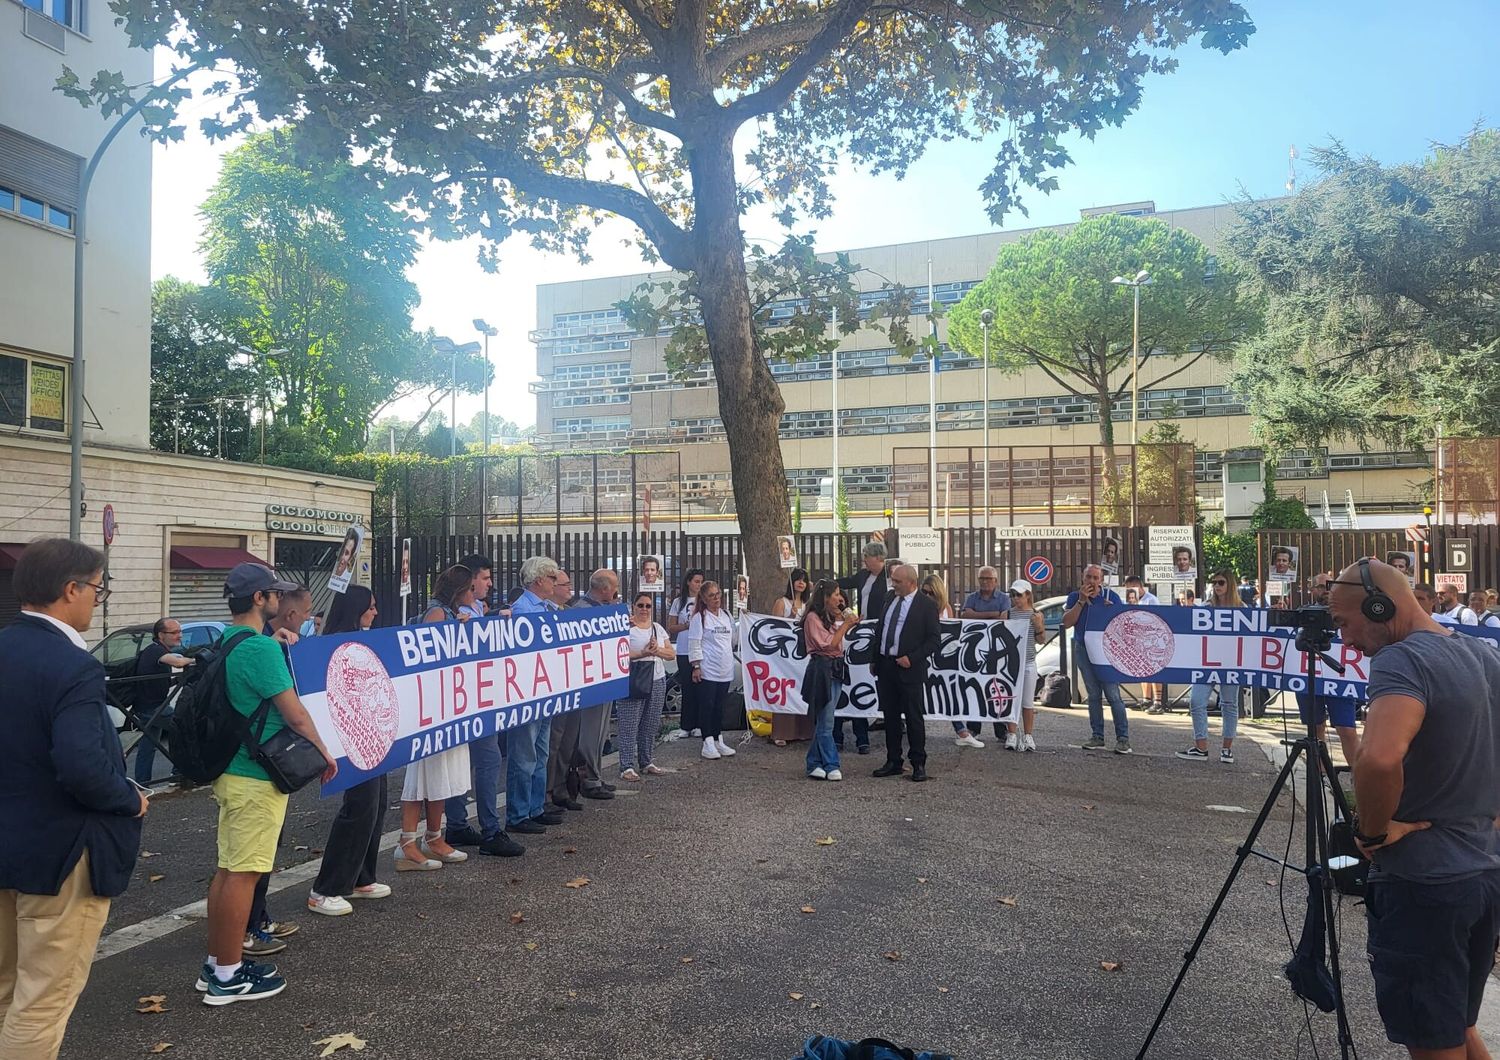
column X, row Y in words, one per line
column 750, row 402
column 1109, row 506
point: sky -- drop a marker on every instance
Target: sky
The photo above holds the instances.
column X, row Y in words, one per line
column 1386, row 77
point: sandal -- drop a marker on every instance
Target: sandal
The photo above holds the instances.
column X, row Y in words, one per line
column 654, row 770
column 410, row 856
column 630, row 775
column 435, row 846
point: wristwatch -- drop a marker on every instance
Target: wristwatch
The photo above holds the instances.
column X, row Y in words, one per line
column 1370, row 840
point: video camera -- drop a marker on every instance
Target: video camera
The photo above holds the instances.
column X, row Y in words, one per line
column 1314, row 625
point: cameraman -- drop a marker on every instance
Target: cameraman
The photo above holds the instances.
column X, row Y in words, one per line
column 1428, row 786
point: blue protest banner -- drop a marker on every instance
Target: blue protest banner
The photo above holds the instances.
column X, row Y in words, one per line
column 1232, row 646
column 385, row 698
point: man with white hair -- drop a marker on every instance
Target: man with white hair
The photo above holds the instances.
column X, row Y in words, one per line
column 528, row 746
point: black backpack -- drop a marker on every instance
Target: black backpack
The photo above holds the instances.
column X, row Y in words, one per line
column 1056, row 691
column 205, row 730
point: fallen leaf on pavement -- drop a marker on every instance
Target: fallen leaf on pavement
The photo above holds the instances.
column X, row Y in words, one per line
column 1007, row 900
column 157, row 876
column 648, row 857
column 517, row 918
column 570, row 850
column 421, row 916
column 573, row 993
column 530, row 946
column 160, row 1047
column 942, row 990
column 151, row 1003
column 299, row 847
column 1111, row 966
column 827, row 841
column 816, row 1004
column 921, row 879
column 575, row 884
column 808, row 909
column 340, row 1041
column 148, row 854
column 893, row 955
column 1088, row 806
column 686, row 960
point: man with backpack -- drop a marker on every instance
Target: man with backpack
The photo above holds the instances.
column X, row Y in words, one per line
column 251, row 808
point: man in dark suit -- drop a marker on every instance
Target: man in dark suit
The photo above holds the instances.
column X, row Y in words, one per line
column 74, row 817
column 866, row 591
column 905, row 638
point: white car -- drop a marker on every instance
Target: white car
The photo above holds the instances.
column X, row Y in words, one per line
column 1048, row 660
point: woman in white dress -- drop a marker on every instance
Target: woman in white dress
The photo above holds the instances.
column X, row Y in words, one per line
column 431, row 780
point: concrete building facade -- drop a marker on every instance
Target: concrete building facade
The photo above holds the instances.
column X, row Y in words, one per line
column 604, row 386
column 180, row 522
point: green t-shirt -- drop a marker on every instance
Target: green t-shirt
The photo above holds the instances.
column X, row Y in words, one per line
column 256, row 670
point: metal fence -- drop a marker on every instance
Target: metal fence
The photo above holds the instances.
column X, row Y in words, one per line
column 1333, row 550
column 823, row 555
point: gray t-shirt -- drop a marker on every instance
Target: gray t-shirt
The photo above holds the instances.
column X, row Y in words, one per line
column 1452, row 768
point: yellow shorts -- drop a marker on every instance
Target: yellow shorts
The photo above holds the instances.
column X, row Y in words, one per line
column 251, row 813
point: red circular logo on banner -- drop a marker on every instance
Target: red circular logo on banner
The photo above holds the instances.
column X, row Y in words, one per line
column 1138, row 643
column 362, row 704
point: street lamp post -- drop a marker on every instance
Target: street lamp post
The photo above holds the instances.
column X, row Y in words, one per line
column 452, row 349
column 1142, row 279
column 78, row 405
column 986, row 321
column 484, row 462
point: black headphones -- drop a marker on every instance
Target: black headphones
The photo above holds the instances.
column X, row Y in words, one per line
column 1376, row 606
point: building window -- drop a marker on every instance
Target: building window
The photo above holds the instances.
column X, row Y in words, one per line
column 32, row 393
column 68, row 12
column 38, row 181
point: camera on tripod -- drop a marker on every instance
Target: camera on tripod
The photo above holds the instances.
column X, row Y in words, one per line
column 1314, row 625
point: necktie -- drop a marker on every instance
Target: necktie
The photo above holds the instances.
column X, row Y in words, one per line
column 895, row 623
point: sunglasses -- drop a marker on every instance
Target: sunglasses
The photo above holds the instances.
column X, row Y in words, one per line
column 1219, row 584
column 643, row 607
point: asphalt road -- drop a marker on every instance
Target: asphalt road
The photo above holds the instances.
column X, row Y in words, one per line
column 690, row 938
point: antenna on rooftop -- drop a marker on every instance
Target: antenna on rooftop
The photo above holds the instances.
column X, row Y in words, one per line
column 1291, row 169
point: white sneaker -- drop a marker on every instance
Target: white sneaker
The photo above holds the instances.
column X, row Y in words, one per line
column 1027, row 743
column 710, row 750
column 817, row 773
column 1011, row 743
column 697, row 734
column 968, row 739
column 834, row 774
column 725, row 749
column 328, row 905
column 374, row 890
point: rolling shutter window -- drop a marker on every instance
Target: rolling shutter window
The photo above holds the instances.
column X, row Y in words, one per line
column 198, row 594
column 39, row 170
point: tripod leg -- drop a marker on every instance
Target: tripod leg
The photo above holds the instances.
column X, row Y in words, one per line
column 1241, row 855
column 1318, row 837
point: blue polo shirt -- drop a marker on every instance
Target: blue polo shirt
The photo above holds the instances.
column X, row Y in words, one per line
column 996, row 603
column 1097, row 601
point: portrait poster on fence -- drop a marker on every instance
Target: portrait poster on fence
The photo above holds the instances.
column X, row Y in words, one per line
column 405, row 567
column 343, row 566
column 1406, row 563
column 651, row 580
column 388, row 697
column 1232, row 646
column 978, row 674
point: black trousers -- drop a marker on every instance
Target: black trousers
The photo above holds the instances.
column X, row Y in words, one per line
column 353, row 847
column 861, row 731
column 710, row 697
column 689, row 720
column 903, row 704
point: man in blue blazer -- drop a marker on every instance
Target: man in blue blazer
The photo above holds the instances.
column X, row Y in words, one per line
column 74, row 817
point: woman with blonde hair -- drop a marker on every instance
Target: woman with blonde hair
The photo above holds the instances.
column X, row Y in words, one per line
column 431, row 781
column 1221, row 593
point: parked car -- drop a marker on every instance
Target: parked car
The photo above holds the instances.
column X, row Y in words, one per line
column 118, row 651
column 1048, row 660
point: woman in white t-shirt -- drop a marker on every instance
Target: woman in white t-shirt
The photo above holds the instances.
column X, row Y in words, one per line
column 711, row 652
column 638, row 720
column 1022, row 605
column 678, row 616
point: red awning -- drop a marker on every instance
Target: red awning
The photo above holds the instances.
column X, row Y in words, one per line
column 198, row 557
column 9, row 554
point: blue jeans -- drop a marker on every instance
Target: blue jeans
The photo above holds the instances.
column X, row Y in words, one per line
column 145, row 750
column 484, row 759
column 1229, row 711
column 1098, row 692
column 526, row 771
column 822, row 751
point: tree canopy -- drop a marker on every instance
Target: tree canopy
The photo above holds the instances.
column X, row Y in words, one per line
column 1056, row 308
column 541, row 117
column 1380, row 285
column 200, row 399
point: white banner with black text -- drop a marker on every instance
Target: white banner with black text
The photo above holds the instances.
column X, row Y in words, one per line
column 978, row 673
